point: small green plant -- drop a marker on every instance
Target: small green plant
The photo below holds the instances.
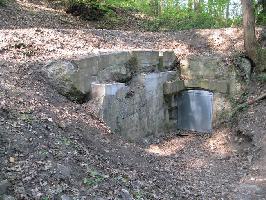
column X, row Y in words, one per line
column 43, row 152
column 3, row 2
column 262, row 77
column 66, row 141
column 138, row 195
column 122, row 178
column 87, row 9
column 94, row 178
column 27, row 117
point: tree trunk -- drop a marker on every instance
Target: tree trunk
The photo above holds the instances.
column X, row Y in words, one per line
column 250, row 41
column 197, row 6
column 227, row 11
column 189, row 5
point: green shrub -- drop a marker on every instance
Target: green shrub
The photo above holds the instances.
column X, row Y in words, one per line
column 261, row 19
column 3, row 2
column 262, row 77
column 87, row 9
column 185, row 20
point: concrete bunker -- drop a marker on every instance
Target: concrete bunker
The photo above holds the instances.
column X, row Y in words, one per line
column 137, row 92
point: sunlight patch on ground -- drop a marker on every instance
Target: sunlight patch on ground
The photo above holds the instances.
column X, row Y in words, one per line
column 168, row 148
column 36, row 7
column 219, row 142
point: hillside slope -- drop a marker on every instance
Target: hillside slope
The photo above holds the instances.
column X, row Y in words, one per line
column 51, row 148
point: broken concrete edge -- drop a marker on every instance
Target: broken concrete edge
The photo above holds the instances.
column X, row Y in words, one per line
column 61, row 76
column 103, row 89
column 97, row 62
column 72, row 78
column 173, row 86
column 220, row 86
column 120, row 66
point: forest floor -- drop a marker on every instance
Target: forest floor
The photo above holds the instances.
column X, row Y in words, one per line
column 51, row 148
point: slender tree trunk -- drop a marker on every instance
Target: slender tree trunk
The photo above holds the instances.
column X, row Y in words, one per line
column 250, row 41
column 160, row 7
column 227, row 11
column 189, row 5
column 176, row 5
column 197, row 6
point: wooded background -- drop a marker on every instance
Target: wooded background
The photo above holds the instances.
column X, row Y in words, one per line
column 184, row 14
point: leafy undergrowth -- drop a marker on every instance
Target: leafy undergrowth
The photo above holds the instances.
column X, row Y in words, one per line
column 3, row 2
column 87, row 10
column 262, row 77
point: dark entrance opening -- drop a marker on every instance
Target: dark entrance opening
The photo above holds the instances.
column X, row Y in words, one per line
column 194, row 110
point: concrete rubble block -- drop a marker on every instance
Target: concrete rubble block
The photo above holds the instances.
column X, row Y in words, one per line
column 106, row 89
column 147, row 60
column 156, row 121
column 221, row 86
column 172, row 87
column 154, row 80
column 117, row 73
column 83, row 80
column 169, row 59
column 113, row 58
column 110, row 114
column 88, row 64
column 110, row 98
column 63, row 75
column 203, row 66
column 126, row 108
column 197, row 83
column 130, row 127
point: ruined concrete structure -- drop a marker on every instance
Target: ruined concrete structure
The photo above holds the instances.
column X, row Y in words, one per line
column 136, row 91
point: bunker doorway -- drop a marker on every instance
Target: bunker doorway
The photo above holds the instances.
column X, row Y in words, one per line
column 194, row 110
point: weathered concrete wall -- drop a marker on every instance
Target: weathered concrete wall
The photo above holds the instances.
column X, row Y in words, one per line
column 135, row 110
column 214, row 74
column 119, row 66
column 136, row 91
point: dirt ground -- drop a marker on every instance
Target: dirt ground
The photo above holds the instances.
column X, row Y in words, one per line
column 51, row 148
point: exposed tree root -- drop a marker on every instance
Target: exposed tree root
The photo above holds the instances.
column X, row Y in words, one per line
column 252, row 101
